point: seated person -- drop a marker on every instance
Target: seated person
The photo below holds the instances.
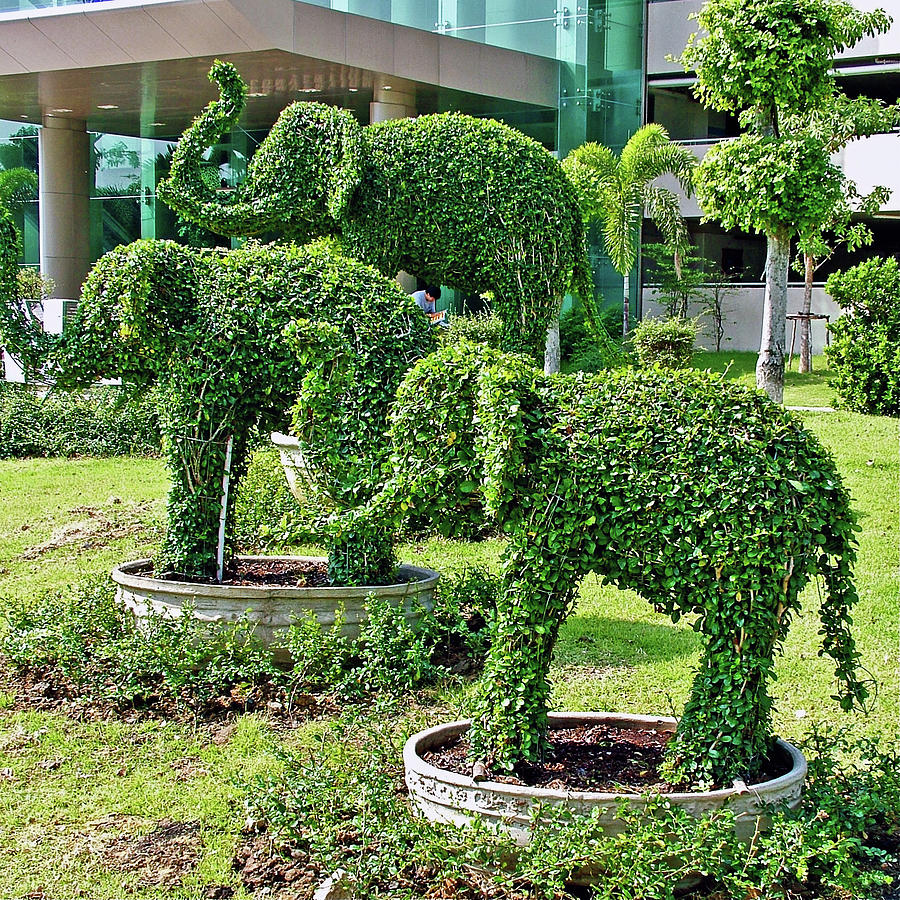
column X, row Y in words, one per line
column 426, row 299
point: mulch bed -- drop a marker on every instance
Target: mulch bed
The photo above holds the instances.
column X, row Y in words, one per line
column 588, row 758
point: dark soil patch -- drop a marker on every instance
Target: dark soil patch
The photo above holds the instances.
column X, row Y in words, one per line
column 46, row 689
column 161, row 858
column 589, row 758
column 283, row 876
column 274, row 572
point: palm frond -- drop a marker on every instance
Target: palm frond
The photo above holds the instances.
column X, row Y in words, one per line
column 662, row 206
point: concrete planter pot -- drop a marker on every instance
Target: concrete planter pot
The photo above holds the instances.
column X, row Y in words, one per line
column 270, row 609
column 444, row 796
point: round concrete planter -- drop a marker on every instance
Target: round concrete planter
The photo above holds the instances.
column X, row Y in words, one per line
column 271, row 610
column 444, row 796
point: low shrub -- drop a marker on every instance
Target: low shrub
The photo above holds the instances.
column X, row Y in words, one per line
column 865, row 341
column 266, row 513
column 483, row 328
column 87, row 645
column 667, row 343
column 101, row 421
column 580, row 350
column 343, row 810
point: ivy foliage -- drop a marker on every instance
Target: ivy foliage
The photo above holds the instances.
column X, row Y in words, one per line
column 233, row 339
column 469, row 203
column 20, row 332
column 865, row 341
column 700, row 495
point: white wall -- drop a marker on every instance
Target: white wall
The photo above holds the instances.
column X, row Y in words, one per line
column 50, row 314
column 743, row 314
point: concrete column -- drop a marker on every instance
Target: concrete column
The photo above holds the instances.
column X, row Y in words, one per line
column 392, row 101
column 64, row 192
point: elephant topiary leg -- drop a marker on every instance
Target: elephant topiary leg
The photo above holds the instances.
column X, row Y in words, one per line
column 510, row 721
column 724, row 731
column 196, row 452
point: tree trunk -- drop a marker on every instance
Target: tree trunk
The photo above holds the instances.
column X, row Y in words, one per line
column 552, row 350
column 626, row 305
column 805, row 341
column 770, row 365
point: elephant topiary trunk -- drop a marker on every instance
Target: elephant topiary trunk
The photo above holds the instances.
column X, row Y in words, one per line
column 470, row 203
column 703, row 497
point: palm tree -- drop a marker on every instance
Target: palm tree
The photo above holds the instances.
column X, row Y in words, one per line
column 618, row 191
column 17, row 186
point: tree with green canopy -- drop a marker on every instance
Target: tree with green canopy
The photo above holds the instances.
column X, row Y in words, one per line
column 618, row 191
column 769, row 61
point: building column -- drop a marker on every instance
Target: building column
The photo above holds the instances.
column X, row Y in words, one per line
column 64, row 198
column 394, row 99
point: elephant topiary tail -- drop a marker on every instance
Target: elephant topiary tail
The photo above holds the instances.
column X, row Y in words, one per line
column 186, row 190
column 836, row 568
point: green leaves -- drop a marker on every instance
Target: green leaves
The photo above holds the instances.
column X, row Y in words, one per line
column 865, row 342
column 469, row 203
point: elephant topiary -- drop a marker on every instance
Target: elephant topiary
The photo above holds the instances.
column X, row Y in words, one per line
column 233, row 338
column 701, row 496
column 469, row 203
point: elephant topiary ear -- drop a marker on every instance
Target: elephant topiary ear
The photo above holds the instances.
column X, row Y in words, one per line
column 346, row 171
column 508, row 409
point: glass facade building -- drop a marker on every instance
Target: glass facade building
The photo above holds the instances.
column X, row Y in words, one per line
column 599, row 47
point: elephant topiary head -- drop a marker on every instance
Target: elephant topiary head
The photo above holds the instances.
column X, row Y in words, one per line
column 298, row 184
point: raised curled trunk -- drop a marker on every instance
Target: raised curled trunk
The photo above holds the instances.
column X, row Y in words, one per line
column 770, row 365
column 185, row 190
column 805, row 337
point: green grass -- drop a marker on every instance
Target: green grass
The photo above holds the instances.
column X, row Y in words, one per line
column 69, row 787
column 812, row 389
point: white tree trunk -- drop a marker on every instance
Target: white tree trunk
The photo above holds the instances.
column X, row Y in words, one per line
column 770, row 365
column 626, row 305
column 805, row 336
column 552, row 348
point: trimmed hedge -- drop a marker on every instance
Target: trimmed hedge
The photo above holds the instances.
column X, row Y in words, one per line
column 865, row 342
column 102, row 421
column 667, row 343
column 234, row 339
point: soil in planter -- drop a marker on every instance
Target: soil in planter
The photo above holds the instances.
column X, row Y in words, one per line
column 272, row 572
column 590, row 758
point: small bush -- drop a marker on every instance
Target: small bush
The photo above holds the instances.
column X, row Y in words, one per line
column 865, row 344
column 483, row 328
column 266, row 513
column 667, row 343
column 102, row 421
column 580, row 350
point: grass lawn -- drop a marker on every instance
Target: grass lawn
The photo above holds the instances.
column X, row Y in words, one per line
column 799, row 390
column 83, row 803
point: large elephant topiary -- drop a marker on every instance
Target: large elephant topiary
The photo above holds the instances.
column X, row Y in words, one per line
column 465, row 202
column 234, row 338
column 703, row 497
